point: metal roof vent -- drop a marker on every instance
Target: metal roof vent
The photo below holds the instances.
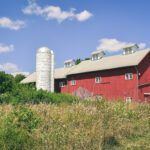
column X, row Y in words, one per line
column 69, row 63
column 130, row 49
column 97, row 55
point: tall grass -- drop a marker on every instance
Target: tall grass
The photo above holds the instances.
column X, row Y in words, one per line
column 88, row 125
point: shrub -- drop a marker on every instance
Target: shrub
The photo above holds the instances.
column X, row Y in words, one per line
column 16, row 129
column 5, row 98
column 28, row 94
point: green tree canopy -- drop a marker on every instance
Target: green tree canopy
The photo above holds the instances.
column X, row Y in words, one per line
column 7, row 82
column 19, row 77
column 78, row 60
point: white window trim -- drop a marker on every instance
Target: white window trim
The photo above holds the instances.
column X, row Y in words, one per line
column 73, row 82
column 100, row 79
column 61, row 84
column 95, row 57
column 129, row 76
column 129, row 99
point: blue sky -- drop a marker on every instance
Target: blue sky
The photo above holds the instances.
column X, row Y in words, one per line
column 72, row 28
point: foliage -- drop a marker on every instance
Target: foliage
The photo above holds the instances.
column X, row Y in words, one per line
column 94, row 125
column 19, row 77
column 87, row 59
column 17, row 128
column 15, row 93
column 77, row 61
column 7, row 83
column 28, row 94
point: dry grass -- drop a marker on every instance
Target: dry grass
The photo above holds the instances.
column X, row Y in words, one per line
column 91, row 126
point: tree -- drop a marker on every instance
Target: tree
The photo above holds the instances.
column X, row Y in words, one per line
column 7, row 82
column 87, row 59
column 19, row 77
column 77, row 61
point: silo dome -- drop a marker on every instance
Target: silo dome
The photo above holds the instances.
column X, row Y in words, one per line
column 44, row 50
column 45, row 69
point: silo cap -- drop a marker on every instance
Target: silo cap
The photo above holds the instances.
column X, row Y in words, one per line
column 45, row 50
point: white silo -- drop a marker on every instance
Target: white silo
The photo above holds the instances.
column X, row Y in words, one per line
column 45, row 69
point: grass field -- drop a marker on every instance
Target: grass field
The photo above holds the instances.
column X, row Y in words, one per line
column 84, row 126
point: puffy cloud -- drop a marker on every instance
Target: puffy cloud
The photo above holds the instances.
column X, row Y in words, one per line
column 23, row 73
column 113, row 45
column 6, row 48
column 142, row 45
column 10, row 67
column 10, row 24
column 83, row 15
column 53, row 12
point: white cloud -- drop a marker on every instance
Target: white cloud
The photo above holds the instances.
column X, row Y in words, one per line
column 83, row 15
column 23, row 73
column 53, row 12
column 12, row 68
column 10, row 24
column 6, row 48
column 142, row 45
column 9, row 67
column 113, row 45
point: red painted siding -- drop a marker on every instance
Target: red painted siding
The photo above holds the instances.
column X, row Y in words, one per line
column 144, row 77
column 113, row 85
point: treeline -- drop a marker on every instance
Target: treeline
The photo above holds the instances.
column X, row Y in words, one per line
column 13, row 92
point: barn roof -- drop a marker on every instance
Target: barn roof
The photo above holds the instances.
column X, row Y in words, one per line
column 30, row 79
column 106, row 63
column 60, row 73
column 131, row 45
column 112, row 62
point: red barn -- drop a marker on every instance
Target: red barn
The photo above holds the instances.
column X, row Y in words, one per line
column 125, row 76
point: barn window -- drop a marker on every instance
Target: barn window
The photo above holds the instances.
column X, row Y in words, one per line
column 129, row 99
column 98, row 55
column 61, row 84
column 95, row 57
column 97, row 79
column 69, row 63
column 130, row 49
column 73, row 82
column 129, row 76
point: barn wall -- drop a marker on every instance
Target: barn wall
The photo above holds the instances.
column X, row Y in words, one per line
column 60, row 89
column 144, row 77
column 113, row 85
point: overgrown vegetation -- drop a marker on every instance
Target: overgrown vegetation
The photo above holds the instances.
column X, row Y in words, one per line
column 97, row 125
column 41, row 120
column 17, row 129
column 11, row 91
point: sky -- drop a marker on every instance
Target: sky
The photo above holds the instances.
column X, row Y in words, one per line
column 71, row 28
